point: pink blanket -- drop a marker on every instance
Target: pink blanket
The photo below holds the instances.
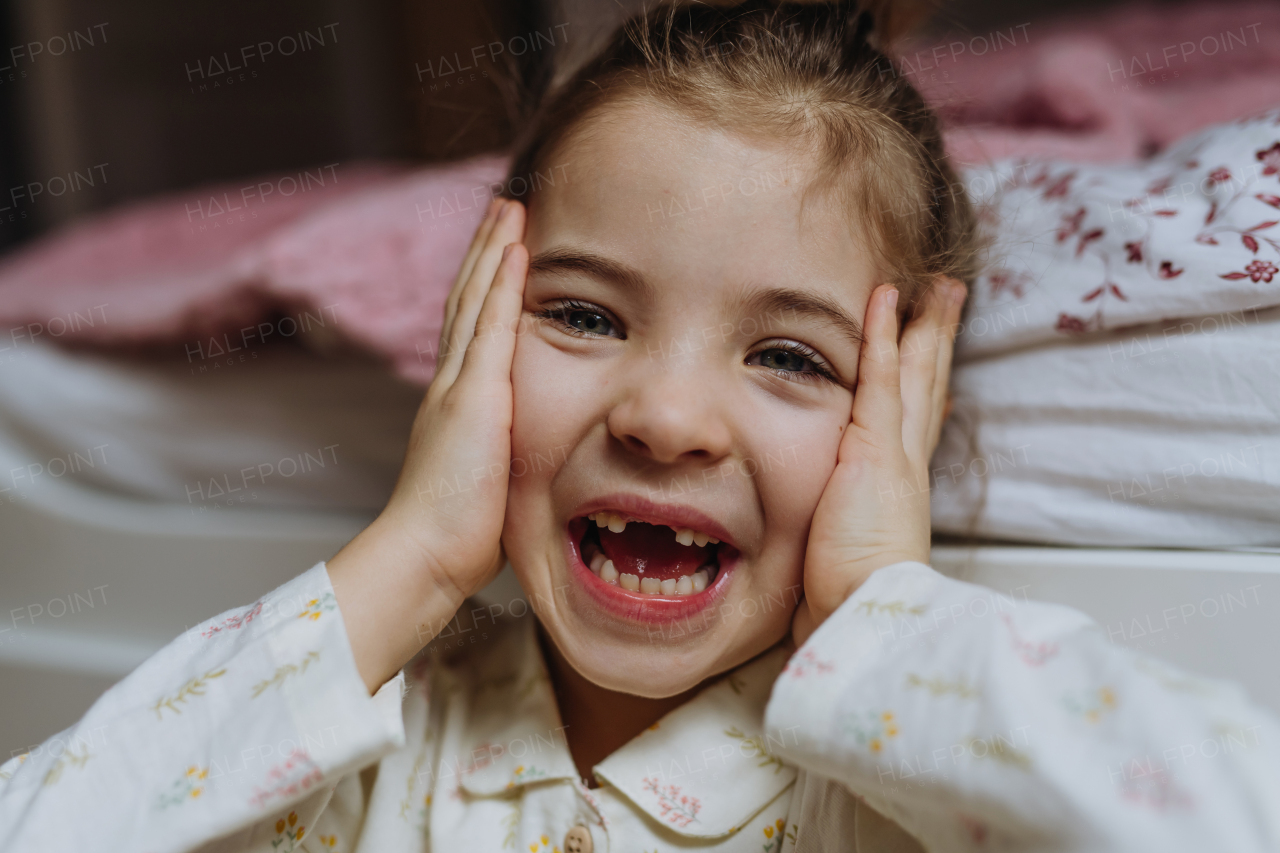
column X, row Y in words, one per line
column 375, row 247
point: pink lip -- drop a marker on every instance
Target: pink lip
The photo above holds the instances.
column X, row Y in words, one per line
column 672, row 515
column 641, row 607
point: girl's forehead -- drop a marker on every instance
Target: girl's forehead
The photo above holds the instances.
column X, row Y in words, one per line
column 658, row 191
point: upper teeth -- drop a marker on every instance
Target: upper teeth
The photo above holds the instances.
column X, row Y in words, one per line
column 684, row 535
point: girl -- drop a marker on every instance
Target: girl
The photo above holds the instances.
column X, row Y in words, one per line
column 646, row 403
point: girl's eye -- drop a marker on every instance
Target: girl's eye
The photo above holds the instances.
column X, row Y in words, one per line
column 793, row 361
column 579, row 318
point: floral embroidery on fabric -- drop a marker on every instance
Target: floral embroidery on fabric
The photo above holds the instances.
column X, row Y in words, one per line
column 291, row 777
column 68, row 759
column 892, row 608
column 524, row 774
column 285, row 672
column 590, row 798
column 1090, row 704
column 511, row 823
column 407, row 803
column 235, row 622
column 189, row 786
column 940, row 687
column 773, row 836
column 871, row 729
column 756, row 743
column 1256, row 271
column 543, row 843
column 1153, row 787
column 317, row 606
column 1270, row 159
column 675, row 807
column 805, row 663
column 1171, row 680
column 999, row 748
column 286, row 834
column 1032, row 654
column 194, row 687
column 329, row 842
column 5, row 774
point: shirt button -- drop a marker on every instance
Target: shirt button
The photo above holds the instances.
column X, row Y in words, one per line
column 578, row 840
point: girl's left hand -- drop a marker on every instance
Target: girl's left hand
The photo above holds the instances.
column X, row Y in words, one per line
column 874, row 511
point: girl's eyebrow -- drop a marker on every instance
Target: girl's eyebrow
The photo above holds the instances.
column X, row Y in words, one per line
column 555, row 261
column 771, row 302
column 767, row 303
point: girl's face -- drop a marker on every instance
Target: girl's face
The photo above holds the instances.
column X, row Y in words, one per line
column 687, row 362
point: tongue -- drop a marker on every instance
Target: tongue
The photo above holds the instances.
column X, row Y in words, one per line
column 651, row 551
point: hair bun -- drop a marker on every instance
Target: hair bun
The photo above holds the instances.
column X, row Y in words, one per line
column 864, row 27
column 880, row 23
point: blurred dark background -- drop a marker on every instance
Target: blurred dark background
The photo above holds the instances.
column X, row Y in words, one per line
column 147, row 97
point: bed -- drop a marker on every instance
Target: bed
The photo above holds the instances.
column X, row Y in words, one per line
column 1117, row 411
column 105, row 564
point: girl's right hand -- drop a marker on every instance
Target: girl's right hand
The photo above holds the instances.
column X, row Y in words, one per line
column 439, row 538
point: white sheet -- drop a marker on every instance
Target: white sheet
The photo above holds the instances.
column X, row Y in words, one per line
column 1161, row 436
column 280, row 428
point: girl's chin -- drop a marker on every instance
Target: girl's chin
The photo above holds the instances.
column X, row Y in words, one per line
column 632, row 669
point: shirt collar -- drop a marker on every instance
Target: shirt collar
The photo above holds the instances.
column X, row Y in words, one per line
column 703, row 770
column 512, row 724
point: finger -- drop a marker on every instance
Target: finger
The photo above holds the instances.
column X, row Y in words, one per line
column 802, row 624
column 478, row 243
column 509, row 228
column 877, row 401
column 941, row 407
column 496, row 327
column 920, row 346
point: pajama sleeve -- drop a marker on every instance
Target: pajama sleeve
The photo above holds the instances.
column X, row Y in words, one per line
column 975, row 719
column 232, row 737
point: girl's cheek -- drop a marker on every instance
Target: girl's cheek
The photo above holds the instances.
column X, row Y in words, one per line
column 528, row 398
column 547, row 395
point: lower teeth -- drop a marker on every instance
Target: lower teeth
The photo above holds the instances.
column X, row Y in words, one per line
column 603, row 568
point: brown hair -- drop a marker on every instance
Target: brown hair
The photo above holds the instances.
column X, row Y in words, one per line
column 809, row 72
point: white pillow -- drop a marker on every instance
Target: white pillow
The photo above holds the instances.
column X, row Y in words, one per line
column 1118, row 379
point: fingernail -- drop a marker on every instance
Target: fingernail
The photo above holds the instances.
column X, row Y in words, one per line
column 891, row 298
column 506, row 250
column 506, row 208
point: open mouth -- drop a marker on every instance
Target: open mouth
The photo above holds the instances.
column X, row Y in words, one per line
column 650, row 559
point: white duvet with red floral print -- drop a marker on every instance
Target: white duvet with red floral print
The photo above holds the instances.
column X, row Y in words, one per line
column 1088, row 248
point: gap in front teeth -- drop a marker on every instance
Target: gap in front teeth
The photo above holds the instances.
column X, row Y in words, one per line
column 618, row 523
column 683, row 585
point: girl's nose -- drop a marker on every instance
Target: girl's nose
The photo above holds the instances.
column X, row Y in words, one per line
column 670, row 419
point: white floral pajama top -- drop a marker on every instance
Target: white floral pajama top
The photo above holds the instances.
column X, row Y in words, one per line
column 925, row 713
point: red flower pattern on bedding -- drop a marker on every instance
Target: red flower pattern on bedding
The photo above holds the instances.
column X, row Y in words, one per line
column 1124, row 252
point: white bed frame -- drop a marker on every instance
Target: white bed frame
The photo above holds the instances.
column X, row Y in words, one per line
column 92, row 584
